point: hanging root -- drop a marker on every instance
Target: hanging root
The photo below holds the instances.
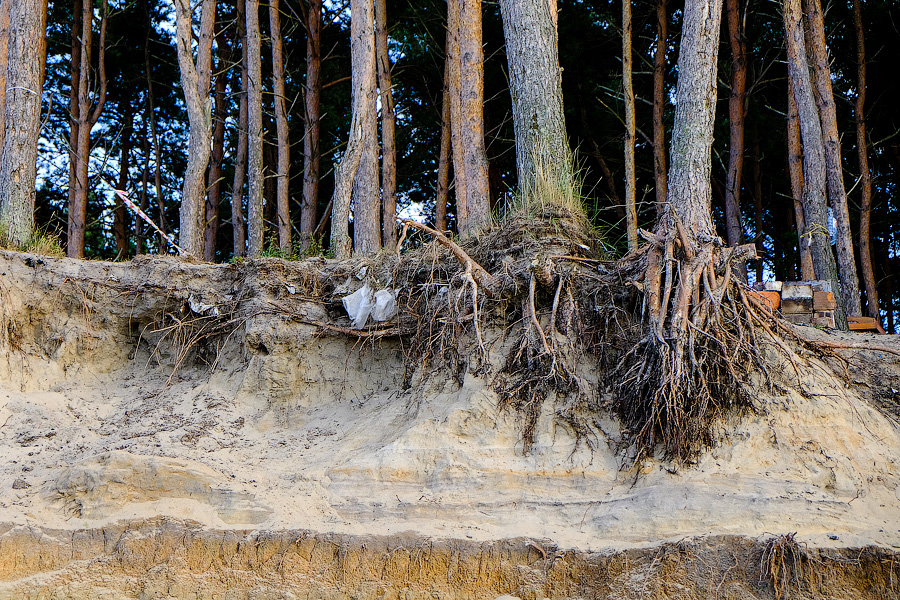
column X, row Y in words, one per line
column 699, row 346
column 787, row 566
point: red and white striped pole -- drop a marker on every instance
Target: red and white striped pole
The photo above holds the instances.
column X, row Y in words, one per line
column 134, row 207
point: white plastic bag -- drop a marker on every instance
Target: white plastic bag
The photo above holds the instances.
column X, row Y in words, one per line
column 385, row 305
column 359, row 305
column 381, row 306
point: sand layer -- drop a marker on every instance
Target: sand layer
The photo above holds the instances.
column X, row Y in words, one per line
column 274, row 461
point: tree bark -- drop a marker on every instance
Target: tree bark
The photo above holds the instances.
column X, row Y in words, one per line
column 255, row 180
column 120, row 214
column 443, row 172
column 529, row 28
column 309, row 210
column 659, row 105
column 795, row 168
column 690, row 195
column 4, row 49
column 195, row 81
column 139, row 237
column 388, row 118
column 281, row 126
column 89, row 112
column 157, row 154
column 756, row 173
column 240, row 159
column 814, row 194
column 628, row 89
column 456, row 134
column 737, row 104
column 865, row 183
column 818, row 55
column 214, row 175
column 26, row 52
column 366, row 195
column 362, row 135
column 74, row 86
column 471, row 90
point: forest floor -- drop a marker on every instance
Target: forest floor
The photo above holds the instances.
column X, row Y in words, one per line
column 175, row 430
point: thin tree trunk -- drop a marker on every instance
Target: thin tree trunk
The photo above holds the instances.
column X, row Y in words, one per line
column 120, row 214
column 795, row 168
column 758, row 201
column 737, row 103
column 529, row 28
column 443, row 173
column 281, row 126
column 140, row 241
column 4, row 53
column 157, row 153
column 630, row 183
column 195, row 80
column 88, row 115
column 659, row 105
column 74, row 93
column 26, row 57
column 865, row 183
column 255, row 203
column 818, row 55
column 214, row 175
column 388, row 142
column 690, row 194
column 240, row 159
column 456, row 134
column 351, row 181
column 308, row 212
column 475, row 163
column 813, row 155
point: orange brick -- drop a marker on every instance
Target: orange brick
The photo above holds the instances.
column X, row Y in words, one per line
column 824, row 301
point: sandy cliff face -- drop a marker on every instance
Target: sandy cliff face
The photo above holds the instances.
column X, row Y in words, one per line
column 166, row 433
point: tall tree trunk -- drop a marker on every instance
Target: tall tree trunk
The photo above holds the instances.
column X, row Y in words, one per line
column 195, row 80
column 74, row 93
column 350, row 179
column 255, row 203
column 454, row 84
column 813, row 154
column 283, row 177
column 758, row 201
column 818, row 55
column 865, row 183
column 120, row 214
column 309, row 210
column 659, row 105
column 388, row 141
column 690, row 194
column 240, row 159
column 214, row 175
column 140, row 241
column 88, row 114
column 26, row 52
column 157, row 153
column 737, row 103
column 366, row 195
column 443, row 173
column 475, row 163
column 795, row 168
column 630, row 183
column 529, row 28
column 4, row 49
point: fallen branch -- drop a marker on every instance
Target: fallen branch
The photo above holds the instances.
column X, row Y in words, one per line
column 487, row 281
